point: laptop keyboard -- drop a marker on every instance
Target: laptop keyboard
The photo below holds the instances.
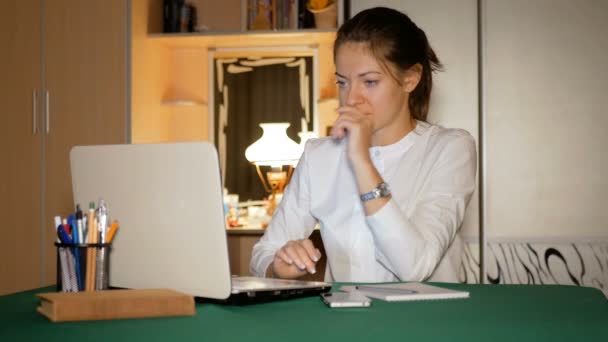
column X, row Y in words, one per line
column 253, row 283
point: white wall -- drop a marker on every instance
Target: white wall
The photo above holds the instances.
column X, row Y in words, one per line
column 546, row 67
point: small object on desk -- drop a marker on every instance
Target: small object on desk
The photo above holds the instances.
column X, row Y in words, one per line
column 397, row 292
column 114, row 304
column 345, row 300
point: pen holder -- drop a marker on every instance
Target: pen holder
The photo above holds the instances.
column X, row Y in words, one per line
column 83, row 267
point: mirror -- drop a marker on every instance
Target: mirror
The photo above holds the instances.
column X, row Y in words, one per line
column 258, row 86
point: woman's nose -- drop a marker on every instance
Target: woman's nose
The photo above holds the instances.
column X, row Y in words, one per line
column 353, row 96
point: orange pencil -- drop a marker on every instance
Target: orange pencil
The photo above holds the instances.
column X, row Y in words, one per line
column 112, row 231
column 90, row 260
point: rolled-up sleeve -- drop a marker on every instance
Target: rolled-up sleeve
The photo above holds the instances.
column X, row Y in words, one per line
column 412, row 244
column 292, row 219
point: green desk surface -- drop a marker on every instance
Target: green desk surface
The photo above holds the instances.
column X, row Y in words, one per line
column 492, row 313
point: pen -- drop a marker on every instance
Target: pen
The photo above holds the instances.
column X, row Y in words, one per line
column 85, row 230
column 71, row 263
column 79, row 223
column 63, row 235
column 73, row 228
column 66, row 227
column 94, row 235
column 76, row 253
column 77, row 237
column 63, row 256
column 102, row 218
column 90, row 281
column 57, row 224
column 91, row 222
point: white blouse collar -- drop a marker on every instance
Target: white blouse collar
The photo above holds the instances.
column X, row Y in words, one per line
column 404, row 143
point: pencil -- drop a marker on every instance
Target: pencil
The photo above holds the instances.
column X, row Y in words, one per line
column 90, row 256
column 112, row 231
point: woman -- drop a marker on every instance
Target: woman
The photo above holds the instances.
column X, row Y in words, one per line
column 388, row 189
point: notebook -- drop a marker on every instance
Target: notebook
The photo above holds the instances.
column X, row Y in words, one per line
column 397, row 292
column 168, row 200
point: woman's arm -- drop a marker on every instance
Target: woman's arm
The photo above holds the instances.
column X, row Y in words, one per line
column 291, row 221
column 412, row 247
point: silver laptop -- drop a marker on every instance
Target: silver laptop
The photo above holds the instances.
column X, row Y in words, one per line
column 168, row 200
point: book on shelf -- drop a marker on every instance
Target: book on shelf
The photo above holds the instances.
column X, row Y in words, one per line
column 114, row 304
column 397, row 292
column 278, row 15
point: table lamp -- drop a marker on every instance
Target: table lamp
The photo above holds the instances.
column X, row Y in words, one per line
column 275, row 150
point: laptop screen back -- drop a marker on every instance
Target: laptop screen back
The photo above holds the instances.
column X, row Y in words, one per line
column 168, row 200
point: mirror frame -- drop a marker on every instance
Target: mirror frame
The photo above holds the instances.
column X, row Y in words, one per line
column 256, row 52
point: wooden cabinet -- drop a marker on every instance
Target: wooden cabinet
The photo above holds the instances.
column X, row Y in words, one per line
column 65, row 78
column 20, row 146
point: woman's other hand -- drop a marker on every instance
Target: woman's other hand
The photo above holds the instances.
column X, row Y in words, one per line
column 295, row 259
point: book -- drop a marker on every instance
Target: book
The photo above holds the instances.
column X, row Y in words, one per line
column 114, row 304
column 397, row 292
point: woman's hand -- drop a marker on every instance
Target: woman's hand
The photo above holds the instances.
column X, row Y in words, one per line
column 357, row 127
column 295, row 259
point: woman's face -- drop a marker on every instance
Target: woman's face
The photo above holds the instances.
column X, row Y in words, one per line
column 365, row 85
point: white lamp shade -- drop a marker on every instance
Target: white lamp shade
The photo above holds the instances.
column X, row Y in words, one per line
column 274, row 148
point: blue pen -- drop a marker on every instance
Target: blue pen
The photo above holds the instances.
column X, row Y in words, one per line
column 63, row 235
column 74, row 227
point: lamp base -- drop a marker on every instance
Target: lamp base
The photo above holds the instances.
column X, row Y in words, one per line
column 275, row 181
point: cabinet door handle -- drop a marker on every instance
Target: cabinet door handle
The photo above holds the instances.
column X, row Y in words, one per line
column 48, row 125
column 34, row 111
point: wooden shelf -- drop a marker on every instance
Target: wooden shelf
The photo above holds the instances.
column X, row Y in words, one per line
column 183, row 103
column 245, row 39
column 232, row 33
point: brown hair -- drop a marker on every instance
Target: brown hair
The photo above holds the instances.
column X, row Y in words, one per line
column 393, row 37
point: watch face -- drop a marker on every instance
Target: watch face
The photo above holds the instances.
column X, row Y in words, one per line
column 384, row 191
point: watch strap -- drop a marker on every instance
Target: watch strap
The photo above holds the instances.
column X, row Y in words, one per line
column 379, row 191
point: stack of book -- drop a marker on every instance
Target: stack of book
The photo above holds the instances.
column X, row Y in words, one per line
column 278, row 15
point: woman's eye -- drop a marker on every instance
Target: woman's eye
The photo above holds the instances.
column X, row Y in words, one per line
column 341, row 83
column 371, row 83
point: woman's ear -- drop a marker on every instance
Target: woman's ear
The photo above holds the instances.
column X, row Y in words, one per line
column 412, row 77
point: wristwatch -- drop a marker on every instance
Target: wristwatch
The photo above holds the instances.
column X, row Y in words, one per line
column 381, row 190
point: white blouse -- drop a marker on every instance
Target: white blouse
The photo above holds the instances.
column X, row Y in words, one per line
column 431, row 175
